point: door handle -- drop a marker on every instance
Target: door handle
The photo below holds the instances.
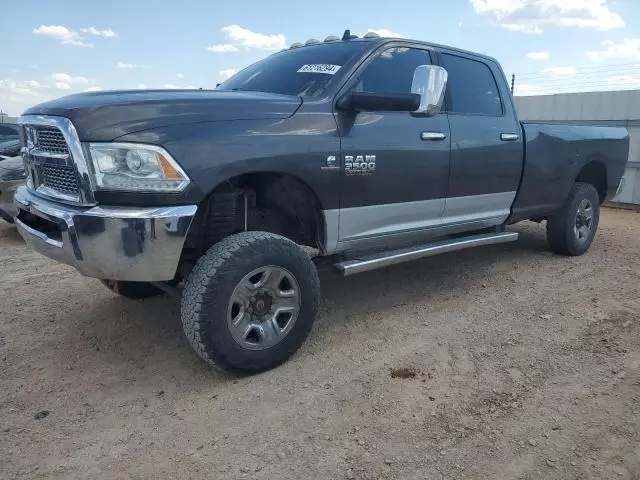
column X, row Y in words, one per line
column 432, row 136
column 509, row 137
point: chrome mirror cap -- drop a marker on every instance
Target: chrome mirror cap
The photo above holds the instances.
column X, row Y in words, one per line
column 430, row 82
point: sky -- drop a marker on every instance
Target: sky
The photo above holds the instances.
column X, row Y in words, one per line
column 53, row 48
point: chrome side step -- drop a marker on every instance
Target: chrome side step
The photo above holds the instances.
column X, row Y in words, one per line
column 384, row 259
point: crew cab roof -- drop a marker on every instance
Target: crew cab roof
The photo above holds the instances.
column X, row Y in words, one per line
column 375, row 41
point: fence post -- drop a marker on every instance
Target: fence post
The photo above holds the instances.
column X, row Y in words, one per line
column 513, row 82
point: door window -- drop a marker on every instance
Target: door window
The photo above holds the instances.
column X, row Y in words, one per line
column 392, row 71
column 471, row 88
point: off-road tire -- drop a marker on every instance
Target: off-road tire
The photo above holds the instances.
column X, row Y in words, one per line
column 133, row 290
column 209, row 287
column 560, row 227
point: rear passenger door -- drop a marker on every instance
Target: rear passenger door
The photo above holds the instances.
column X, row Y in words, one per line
column 486, row 144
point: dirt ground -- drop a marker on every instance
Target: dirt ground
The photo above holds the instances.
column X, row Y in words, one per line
column 502, row 362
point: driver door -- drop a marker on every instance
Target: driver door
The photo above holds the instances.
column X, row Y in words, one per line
column 400, row 192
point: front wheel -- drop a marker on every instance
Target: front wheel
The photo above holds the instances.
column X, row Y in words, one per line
column 572, row 229
column 250, row 302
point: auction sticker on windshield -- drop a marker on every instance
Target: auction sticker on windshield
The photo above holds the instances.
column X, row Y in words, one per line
column 320, row 68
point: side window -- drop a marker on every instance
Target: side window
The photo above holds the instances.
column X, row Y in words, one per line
column 392, row 71
column 471, row 87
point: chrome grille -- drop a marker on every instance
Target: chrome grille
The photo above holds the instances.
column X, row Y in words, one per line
column 54, row 160
column 51, row 140
column 59, row 177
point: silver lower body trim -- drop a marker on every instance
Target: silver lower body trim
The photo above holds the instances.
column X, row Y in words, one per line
column 376, row 220
column 475, row 207
column 376, row 226
column 114, row 243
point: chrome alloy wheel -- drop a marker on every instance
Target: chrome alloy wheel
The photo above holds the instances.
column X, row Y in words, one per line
column 584, row 221
column 263, row 307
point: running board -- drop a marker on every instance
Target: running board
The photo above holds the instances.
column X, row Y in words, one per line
column 384, row 259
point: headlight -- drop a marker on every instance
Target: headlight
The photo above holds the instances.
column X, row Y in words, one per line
column 135, row 167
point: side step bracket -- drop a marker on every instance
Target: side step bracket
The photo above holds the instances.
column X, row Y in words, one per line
column 384, row 259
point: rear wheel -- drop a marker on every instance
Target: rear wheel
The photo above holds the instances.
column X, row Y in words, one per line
column 572, row 229
column 250, row 302
column 133, row 290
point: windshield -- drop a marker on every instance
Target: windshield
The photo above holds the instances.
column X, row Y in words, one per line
column 304, row 71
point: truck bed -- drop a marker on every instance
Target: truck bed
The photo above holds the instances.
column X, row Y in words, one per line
column 555, row 154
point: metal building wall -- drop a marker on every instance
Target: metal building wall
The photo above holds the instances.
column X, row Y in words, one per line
column 594, row 108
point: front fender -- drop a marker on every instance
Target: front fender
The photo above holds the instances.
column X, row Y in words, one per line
column 213, row 152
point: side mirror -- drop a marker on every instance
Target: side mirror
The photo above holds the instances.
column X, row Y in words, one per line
column 380, row 102
column 430, row 82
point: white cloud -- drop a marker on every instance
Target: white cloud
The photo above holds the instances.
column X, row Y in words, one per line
column 561, row 71
column 628, row 49
column 222, row 48
column 179, row 75
column 626, row 80
column 15, row 70
column 142, row 86
column 18, row 95
column 99, row 33
column 242, row 37
column 93, row 89
column 539, row 56
column 460, row 24
column 385, row 32
column 68, row 79
column 63, row 34
column 227, row 73
column 27, row 87
column 519, row 28
column 127, row 65
column 30, row 84
column 61, row 77
column 32, row 66
column 534, row 16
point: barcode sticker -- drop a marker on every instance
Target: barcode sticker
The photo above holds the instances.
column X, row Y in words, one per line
column 320, row 68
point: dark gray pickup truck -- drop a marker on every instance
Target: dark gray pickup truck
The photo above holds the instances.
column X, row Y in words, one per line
column 370, row 151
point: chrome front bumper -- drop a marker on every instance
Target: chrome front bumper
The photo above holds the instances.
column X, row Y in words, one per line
column 115, row 243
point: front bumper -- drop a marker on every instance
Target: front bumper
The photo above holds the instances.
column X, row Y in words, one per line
column 114, row 243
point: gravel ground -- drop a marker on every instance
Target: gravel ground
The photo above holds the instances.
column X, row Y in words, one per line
column 502, row 362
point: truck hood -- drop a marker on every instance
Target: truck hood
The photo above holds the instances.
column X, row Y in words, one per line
column 105, row 116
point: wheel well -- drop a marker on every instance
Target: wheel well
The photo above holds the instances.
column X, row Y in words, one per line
column 595, row 173
column 274, row 202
